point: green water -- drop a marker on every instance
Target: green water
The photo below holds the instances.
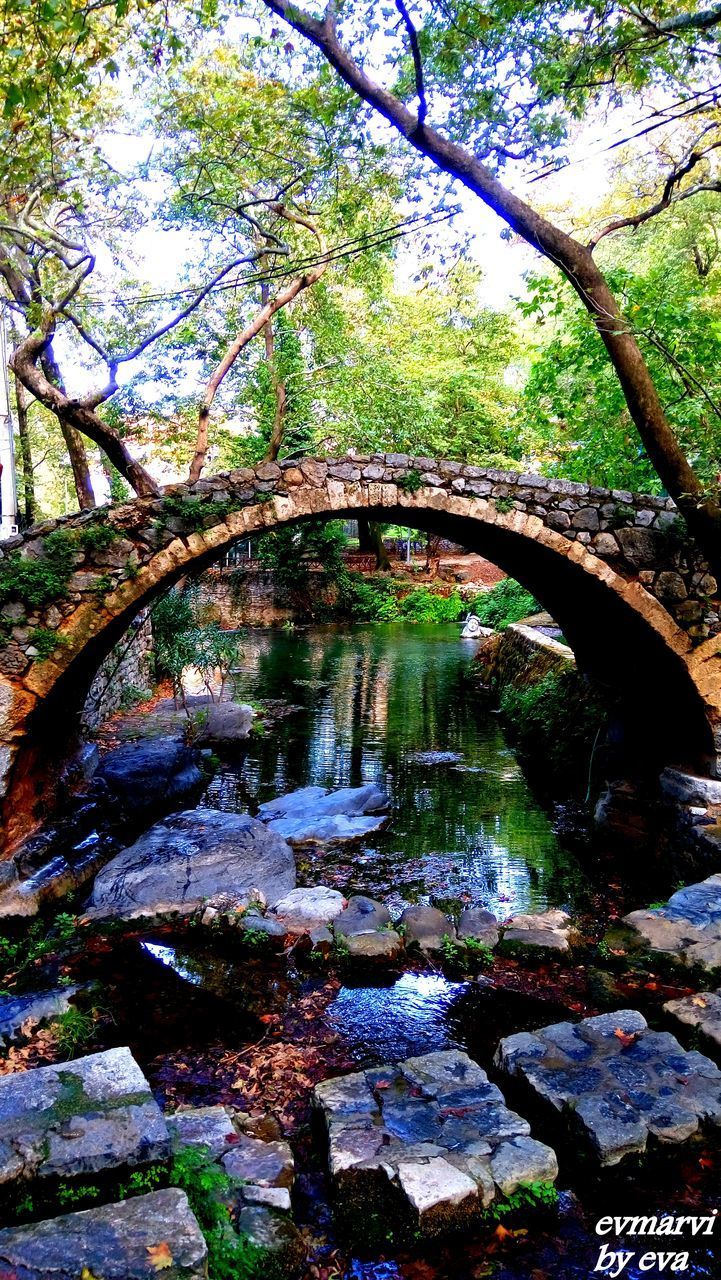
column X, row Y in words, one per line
column 367, row 700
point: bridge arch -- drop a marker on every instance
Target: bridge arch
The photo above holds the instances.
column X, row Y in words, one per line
column 618, row 587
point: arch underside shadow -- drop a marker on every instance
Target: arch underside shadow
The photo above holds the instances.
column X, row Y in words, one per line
column 615, row 643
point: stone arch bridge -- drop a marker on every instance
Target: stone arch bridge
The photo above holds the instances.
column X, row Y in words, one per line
column 633, row 597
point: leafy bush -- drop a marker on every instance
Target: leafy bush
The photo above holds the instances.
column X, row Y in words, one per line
column 181, row 640
column 36, row 580
column 98, row 536
column 46, row 641
column 557, row 721
column 231, row 1255
column 422, row 605
column 505, row 603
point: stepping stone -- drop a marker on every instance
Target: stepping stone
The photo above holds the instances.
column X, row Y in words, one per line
column 284, row 1247
column 386, row 946
column 209, row 1127
column 362, row 915
column 138, row 1239
column 547, row 930
column 430, row 1142
column 687, row 928
column 261, row 1164
column 616, row 1082
column 426, row 927
column 303, row 910
column 480, row 925
column 78, row 1118
column 701, row 1011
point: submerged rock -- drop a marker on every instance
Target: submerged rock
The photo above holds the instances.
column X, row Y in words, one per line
column 190, row 857
column 435, row 757
column 150, row 776
column 81, row 1117
column 429, row 1143
column 315, row 815
column 134, row 1240
column 274, row 1233
column 618, row 1083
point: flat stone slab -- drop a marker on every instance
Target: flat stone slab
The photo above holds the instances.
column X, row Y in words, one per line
column 209, row 1127
column 77, row 1118
column 191, row 857
column 617, row 1081
column 138, row 1239
column 259, row 1163
column 701, row 1011
column 431, row 1135
column 374, row 948
column 314, row 815
column 688, row 927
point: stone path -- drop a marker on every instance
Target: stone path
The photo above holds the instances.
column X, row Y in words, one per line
column 701, row 1012
column 81, row 1117
column 431, row 1139
column 617, row 1083
column 137, row 1239
column 687, row 928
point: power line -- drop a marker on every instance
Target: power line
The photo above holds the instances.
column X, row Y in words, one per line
column 345, row 249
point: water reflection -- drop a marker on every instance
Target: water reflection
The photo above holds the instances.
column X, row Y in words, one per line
column 369, row 699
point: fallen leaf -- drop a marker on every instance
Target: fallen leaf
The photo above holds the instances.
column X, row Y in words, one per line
column 159, row 1256
column 625, row 1038
column 699, row 1000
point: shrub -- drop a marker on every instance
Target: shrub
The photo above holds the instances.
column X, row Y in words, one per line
column 231, row 1255
column 505, row 603
column 421, row 605
column 38, row 580
column 556, row 721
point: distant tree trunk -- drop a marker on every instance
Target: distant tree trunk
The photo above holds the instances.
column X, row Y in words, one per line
column 73, row 439
column 22, row 401
column 370, row 540
column 279, row 388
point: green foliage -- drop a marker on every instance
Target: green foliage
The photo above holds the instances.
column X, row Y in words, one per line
column 256, row 939
column 181, row 639
column 195, row 513
column 506, row 602
column 529, row 1196
column 74, row 1031
column 231, row 1255
column 142, row 1181
column 97, row 536
column 424, row 605
column 46, row 641
column 480, row 952
column 19, row 953
column 505, row 506
column 36, row 580
column 555, row 722
column 69, row 1195
column 411, row 482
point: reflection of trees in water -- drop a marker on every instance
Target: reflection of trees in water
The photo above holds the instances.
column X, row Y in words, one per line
column 371, row 697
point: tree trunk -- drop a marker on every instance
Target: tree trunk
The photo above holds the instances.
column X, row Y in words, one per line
column 26, row 363
column 257, row 325
column 26, row 453
column 370, row 539
column 280, row 393
column 701, row 510
column 73, row 439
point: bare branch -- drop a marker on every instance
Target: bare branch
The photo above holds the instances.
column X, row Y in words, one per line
column 417, row 60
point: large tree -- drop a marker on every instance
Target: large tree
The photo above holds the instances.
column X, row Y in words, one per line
column 501, row 83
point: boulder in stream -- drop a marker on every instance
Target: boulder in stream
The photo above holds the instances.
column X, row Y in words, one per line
column 190, row 857
column 154, row 776
column 427, row 927
column 315, row 815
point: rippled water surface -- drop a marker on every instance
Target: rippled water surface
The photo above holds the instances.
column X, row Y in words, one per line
column 373, row 704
